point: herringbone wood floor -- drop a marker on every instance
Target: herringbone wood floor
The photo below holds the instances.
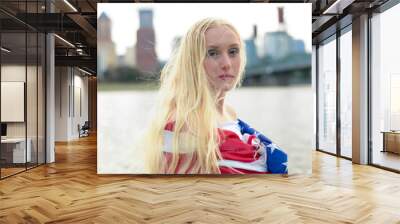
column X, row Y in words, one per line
column 70, row 191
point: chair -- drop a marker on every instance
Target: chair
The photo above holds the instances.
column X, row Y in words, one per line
column 84, row 130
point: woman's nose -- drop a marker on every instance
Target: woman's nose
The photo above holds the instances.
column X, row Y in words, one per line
column 225, row 61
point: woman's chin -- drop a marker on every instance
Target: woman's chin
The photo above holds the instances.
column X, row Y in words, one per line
column 221, row 89
column 226, row 88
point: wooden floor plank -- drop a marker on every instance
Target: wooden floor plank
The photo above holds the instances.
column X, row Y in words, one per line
column 70, row 191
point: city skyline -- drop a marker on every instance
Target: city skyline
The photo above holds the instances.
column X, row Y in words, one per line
column 125, row 38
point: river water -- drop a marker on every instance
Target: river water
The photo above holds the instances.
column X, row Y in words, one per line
column 284, row 114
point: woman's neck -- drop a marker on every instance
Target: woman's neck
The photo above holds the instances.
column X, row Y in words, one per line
column 221, row 107
column 223, row 113
column 220, row 102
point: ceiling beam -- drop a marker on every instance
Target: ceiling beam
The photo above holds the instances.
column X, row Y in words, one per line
column 337, row 6
column 321, row 22
column 86, row 26
column 82, row 61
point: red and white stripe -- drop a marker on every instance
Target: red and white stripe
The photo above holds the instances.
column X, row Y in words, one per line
column 241, row 153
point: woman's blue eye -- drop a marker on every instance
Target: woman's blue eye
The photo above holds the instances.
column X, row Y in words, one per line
column 212, row 53
column 233, row 51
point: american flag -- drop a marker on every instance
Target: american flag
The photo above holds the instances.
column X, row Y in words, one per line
column 243, row 149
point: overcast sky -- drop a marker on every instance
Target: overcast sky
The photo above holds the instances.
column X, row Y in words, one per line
column 174, row 19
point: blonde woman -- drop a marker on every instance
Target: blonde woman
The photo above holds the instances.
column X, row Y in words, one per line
column 193, row 130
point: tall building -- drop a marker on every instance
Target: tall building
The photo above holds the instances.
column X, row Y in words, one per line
column 104, row 25
column 130, row 57
column 298, row 46
column 277, row 44
column 251, row 49
column 146, row 57
column 280, row 44
column 281, row 20
column 106, row 54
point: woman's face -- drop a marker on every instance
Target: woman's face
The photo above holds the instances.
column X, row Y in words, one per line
column 222, row 62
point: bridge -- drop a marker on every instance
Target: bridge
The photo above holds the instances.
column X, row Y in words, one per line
column 294, row 69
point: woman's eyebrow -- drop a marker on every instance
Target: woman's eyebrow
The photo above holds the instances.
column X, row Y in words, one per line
column 212, row 46
column 216, row 46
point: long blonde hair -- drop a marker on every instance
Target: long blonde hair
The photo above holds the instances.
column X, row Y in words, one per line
column 185, row 97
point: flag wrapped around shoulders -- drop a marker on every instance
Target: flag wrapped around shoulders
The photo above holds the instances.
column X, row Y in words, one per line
column 243, row 150
column 276, row 157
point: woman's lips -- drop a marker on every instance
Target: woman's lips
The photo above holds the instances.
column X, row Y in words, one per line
column 226, row 76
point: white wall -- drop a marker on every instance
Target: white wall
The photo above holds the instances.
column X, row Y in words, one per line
column 13, row 73
column 61, row 103
column 71, row 93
